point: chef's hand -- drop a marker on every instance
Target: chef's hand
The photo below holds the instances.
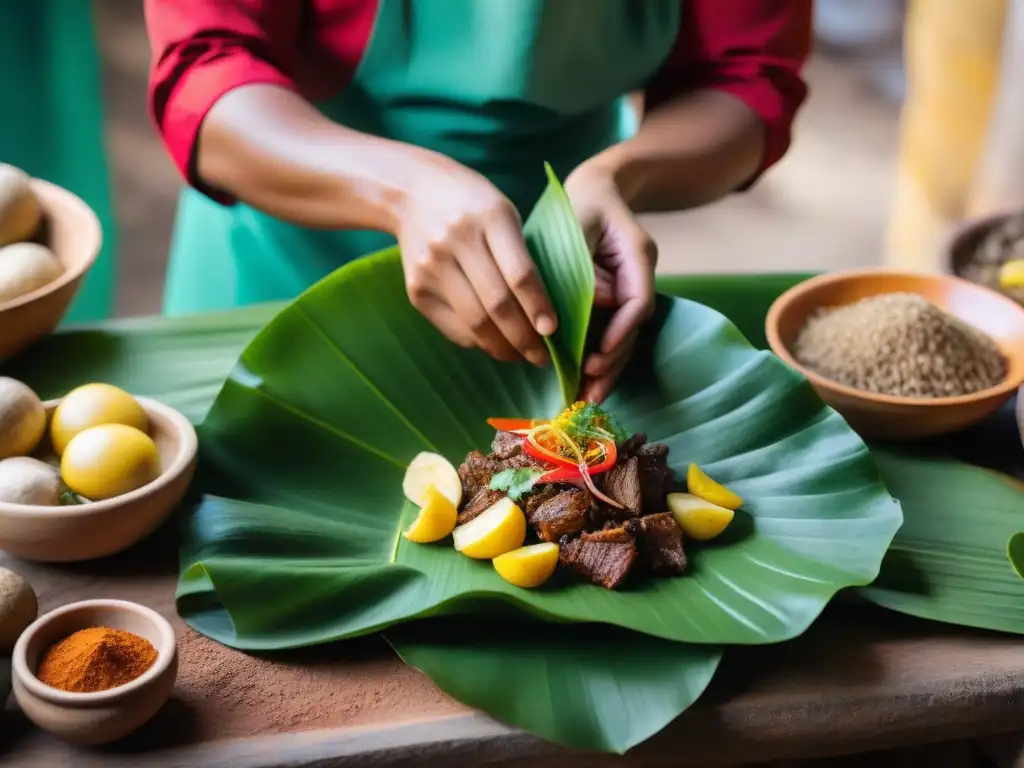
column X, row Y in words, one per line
column 466, row 265
column 625, row 257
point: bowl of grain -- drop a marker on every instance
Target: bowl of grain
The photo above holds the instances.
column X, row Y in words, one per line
column 902, row 356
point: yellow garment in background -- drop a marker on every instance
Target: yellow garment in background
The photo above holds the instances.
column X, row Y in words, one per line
column 952, row 52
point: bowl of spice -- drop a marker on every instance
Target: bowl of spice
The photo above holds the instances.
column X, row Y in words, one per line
column 990, row 251
column 94, row 671
column 902, row 356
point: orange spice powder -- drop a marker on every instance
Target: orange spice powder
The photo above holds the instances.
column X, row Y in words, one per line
column 96, row 659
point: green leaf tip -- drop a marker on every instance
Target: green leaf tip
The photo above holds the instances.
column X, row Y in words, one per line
column 1015, row 553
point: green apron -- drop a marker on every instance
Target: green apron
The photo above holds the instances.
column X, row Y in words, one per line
column 53, row 119
column 499, row 85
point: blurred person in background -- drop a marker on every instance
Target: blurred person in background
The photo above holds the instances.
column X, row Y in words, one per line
column 314, row 132
column 52, row 125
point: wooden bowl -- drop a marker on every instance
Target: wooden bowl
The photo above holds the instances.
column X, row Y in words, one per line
column 99, row 528
column 903, row 418
column 94, row 718
column 965, row 239
column 72, row 231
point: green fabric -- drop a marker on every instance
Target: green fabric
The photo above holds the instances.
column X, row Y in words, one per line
column 52, row 125
column 500, row 86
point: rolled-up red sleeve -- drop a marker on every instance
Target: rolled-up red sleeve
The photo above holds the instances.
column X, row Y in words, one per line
column 752, row 49
column 204, row 48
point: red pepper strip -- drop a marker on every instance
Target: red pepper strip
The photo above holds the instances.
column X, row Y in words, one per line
column 540, row 452
column 511, row 425
column 572, row 472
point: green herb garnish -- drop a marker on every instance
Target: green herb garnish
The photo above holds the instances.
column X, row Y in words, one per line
column 516, row 483
column 588, row 421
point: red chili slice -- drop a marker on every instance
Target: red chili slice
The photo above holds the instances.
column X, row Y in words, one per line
column 540, row 452
column 512, row 425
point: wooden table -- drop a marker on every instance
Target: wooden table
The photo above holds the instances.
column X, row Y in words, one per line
column 861, row 679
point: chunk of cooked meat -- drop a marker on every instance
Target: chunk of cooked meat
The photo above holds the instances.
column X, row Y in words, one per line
column 564, row 514
column 521, row 461
column 506, row 445
column 479, row 503
column 603, row 557
column 538, row 496
column 622, row 483
column 660, row 542
column 655, row 476
column 476, row 473
column 632, row 444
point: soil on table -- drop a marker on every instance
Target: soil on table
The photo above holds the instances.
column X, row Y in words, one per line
column 235, row 695
column 1002, row 243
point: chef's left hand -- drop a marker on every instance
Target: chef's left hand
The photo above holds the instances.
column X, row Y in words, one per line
column 625, row 257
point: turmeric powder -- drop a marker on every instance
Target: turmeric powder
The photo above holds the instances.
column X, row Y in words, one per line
column 96, row 659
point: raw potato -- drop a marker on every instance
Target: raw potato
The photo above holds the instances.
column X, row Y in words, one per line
column 18, row 608
column 24, row 480
column 92, row 405
column 20, row 212
column 431, row 469
column 26, row 267
column 22, row 419
column 499, row 529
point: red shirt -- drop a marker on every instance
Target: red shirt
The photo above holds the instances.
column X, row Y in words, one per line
column 753, row 49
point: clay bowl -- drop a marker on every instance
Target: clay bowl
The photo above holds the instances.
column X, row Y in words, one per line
column 99, row 528
column 72, row 232
column 904, row 418
column 965, row 239
column 94, row 718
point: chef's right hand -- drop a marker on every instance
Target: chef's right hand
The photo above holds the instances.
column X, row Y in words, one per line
column 466, row 265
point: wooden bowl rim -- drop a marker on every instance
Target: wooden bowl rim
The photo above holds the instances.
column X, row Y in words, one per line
column 1004, row 389
column 965, row 230
column 166, row 650
column 187, row 449
column 93, row 234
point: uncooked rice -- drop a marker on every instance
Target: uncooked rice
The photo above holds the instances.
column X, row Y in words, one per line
column 899, row 344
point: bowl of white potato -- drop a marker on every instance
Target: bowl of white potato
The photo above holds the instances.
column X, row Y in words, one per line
column 49, row 238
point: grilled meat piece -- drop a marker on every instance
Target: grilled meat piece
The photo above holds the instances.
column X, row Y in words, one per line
column 603, row 557
column 655, row 476
column 660, row 542
column 538, row 496
column 476, row 473
column 563, row 514
column 632, row 444
column 479, row 503
column 622, row 483
column 506, row 445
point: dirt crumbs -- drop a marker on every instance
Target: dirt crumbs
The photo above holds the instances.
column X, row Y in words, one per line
column 899, row 344
column 236, row 695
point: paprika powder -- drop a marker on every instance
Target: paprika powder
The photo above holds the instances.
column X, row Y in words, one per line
column 96, row 659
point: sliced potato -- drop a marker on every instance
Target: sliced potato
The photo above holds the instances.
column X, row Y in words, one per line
column 699, row 519
column 431, row 469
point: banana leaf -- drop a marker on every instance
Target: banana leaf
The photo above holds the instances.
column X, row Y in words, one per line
column 307, row 443
column 569, row 281
column 949, row 560
column 181, row 361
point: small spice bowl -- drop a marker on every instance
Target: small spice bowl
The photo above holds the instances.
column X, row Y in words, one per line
column 892, row 417
column 94, row 718
column 95, row 529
